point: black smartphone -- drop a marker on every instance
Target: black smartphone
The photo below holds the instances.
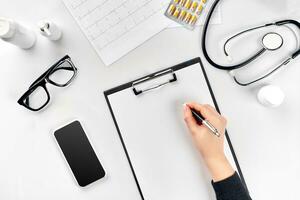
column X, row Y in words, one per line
column 79, row 153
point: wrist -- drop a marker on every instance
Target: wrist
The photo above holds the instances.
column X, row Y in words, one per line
column 219, row 168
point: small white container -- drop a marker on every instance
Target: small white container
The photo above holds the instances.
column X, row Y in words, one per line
column 14, row 33
column 270, row 96
column 49, row 30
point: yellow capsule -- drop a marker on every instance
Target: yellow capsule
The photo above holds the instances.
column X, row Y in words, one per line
column 194, row 6
column 193, row 20
column 176, row 1
column 182, row 2
column 182, row 15
column 204, row 1
column 176, row 13
column 199, row 9
column 188, row 18
column 171, row 9
column 188, row 4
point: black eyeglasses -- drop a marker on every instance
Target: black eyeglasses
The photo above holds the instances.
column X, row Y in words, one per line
column 61, row 74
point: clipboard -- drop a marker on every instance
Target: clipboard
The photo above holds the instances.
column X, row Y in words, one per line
column 173, row 156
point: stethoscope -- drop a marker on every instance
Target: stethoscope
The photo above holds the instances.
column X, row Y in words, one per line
column 270, row 42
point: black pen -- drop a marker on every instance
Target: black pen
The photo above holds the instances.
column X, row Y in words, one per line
column 200, row 119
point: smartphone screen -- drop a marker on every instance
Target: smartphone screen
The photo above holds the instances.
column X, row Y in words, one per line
column 79, row 153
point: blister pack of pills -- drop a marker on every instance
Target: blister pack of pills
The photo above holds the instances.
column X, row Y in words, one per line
column 185, row 12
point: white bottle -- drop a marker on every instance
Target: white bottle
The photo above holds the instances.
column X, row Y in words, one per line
column 49, row 30
column 14, row 33
column 270, row 96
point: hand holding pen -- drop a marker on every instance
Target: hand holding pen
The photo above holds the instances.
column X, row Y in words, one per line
column 202, row 121
column 209, row 138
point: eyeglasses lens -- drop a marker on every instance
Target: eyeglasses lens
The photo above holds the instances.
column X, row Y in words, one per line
column 37, row 99
column 62, row 74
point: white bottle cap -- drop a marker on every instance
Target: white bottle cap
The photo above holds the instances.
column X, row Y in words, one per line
column 7, row 28
column 49, row 30
column 44, row 27
column 270, row 96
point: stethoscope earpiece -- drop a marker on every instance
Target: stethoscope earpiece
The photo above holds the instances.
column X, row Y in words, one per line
column 272, row 41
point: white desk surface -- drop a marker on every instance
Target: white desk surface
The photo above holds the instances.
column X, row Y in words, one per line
column 267, row 141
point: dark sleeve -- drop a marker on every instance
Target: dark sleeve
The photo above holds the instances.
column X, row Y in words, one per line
column 231, row 189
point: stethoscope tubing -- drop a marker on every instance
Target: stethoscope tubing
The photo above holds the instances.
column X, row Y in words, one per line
column 251, row 58
column 231, row 68
column 262, row 77
column 238, row 34
column 203, row 45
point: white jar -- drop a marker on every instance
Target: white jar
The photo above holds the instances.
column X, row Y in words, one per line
column 14, row 33
column 270, row 96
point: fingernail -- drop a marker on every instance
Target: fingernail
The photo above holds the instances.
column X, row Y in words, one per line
column 184, row 107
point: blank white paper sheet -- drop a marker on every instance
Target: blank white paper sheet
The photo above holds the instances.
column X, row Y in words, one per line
column 115, row 27
column 163, row 155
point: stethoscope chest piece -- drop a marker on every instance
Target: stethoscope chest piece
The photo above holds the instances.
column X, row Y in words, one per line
column 272, row 41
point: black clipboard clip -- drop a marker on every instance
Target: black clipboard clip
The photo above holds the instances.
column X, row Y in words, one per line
column 151, row 77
